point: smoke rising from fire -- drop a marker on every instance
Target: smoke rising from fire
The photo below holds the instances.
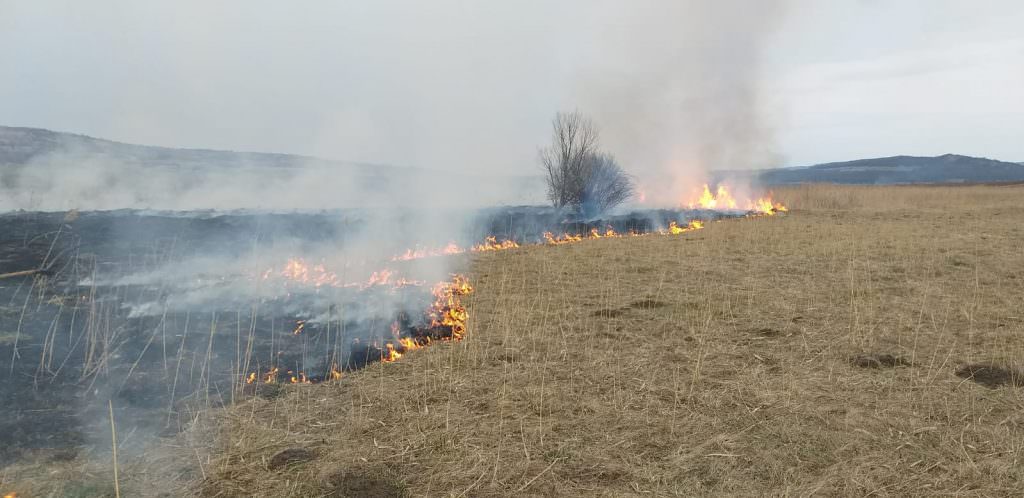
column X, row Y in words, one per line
column 452, row 86
column 679, row 91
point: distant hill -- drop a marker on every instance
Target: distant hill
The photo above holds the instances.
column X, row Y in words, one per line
column 47, row 170
column 22, row 146
column 949, row 168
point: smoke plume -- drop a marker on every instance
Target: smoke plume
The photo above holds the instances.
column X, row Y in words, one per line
column 678, row 90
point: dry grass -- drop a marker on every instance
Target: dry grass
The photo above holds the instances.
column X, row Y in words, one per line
column 723, row 361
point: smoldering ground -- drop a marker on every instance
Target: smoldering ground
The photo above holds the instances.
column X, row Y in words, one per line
column 164, row 314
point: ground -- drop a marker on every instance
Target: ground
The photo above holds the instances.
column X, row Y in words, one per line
column 865, row 343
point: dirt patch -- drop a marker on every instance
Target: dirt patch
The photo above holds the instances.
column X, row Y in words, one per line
column 768, row 332
column 647, row 304
column 609, row 313
column 508, row 357
column 991, row 376
column 347, row 484
column 291, row 456
column 878, row 360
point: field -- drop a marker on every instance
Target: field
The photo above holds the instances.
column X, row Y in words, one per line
column 865, row 343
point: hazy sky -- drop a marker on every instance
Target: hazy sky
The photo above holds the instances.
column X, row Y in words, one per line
column 472, row 85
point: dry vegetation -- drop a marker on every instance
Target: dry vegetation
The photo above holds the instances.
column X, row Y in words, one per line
column 746, row 358
column 821, row 352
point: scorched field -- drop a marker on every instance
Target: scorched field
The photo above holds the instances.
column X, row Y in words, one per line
column 866, row 342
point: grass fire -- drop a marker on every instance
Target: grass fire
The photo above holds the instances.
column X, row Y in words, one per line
column 594, row 249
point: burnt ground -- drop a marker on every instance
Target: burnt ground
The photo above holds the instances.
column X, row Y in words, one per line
column 69, row 344
column 67, row 347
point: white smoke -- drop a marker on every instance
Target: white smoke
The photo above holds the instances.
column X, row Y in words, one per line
column 679, row 92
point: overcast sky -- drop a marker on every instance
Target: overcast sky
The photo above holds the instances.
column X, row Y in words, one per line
column 472, row 85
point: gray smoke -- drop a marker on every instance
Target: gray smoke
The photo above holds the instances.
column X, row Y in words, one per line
column 464, row 88
column 678, row 90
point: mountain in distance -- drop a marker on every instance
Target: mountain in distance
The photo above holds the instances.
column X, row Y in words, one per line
column 24, row 148
column 895, row 170
column 78, row 170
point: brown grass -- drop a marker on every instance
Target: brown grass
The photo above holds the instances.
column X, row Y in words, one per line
column 724, row 361
column 711, row 362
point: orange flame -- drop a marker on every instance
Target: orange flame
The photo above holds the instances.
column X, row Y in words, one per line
column 299, row 378
column 389, row 354
column 296, row 269
column 562, row 239
column 299, row 325
column 491, row 244
column 675, row 229
column 446, row 311
column 271, row 376
column 419, row 253
column 723, row 199
column 765, row 206
column 408, row 344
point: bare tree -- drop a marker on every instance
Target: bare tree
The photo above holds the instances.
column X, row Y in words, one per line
column 578, row 174
column 606, row 185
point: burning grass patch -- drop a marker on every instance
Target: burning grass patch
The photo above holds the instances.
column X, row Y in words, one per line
column 548, row 399
column 695, row 398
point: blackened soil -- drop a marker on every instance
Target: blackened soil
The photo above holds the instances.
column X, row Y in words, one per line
column 365, row 485
column 878, row 360
column 991, row 376
column 66, row 349
column 289, row 457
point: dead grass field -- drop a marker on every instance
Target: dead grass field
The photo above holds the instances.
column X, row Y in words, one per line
column 747, row 358
column 814, row 353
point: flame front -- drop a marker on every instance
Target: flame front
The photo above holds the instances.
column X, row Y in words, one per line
column 562, row 239
column 299, row 378
column 271, row 376
column 491, row 244
column 298, row 270
column 722, row 198
column 389, row 354
column 447, row 310
column 418, row 253
column 447, row 316
column 446, row 320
